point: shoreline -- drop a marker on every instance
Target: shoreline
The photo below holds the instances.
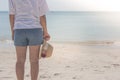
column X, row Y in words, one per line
column 105, row 42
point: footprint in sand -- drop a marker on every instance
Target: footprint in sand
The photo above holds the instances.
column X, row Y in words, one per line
column 43, row 76
column 107, row 66
column 67, row 66
column 77, row 78
column 1, row 70
column 116, row 65
column 74, row 78
column 57, row 74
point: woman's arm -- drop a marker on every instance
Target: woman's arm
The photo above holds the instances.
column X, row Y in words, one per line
column 44, row 25
column 12, row 17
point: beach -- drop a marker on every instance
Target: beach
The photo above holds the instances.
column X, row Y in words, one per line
column 86, row 47
column 70, row 61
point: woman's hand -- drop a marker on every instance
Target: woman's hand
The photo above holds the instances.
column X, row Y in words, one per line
column 46, row 36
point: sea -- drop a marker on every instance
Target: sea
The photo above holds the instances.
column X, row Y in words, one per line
column 72, row 26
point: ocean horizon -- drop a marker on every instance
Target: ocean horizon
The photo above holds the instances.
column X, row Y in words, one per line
column 71, row 26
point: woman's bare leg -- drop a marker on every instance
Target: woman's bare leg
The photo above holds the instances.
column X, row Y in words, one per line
column 21, row 57
column 34, row 61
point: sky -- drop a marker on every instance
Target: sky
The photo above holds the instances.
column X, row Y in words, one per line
column 76, row 5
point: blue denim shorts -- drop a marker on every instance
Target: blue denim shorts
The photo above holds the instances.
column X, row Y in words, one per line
column 28, row 37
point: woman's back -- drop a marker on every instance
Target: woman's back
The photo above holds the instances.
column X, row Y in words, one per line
column 28, row 12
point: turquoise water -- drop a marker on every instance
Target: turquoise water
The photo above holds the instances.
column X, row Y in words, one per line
column 75, row 26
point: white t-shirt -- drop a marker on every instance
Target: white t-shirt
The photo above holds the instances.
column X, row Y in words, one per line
column 27, row 13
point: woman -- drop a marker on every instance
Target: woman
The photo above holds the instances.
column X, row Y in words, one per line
column 28, row 27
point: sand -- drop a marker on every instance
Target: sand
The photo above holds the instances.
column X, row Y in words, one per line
column 70, row 61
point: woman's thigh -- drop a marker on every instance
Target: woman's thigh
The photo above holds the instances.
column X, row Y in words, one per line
column 34, row 53
column 21, row 53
